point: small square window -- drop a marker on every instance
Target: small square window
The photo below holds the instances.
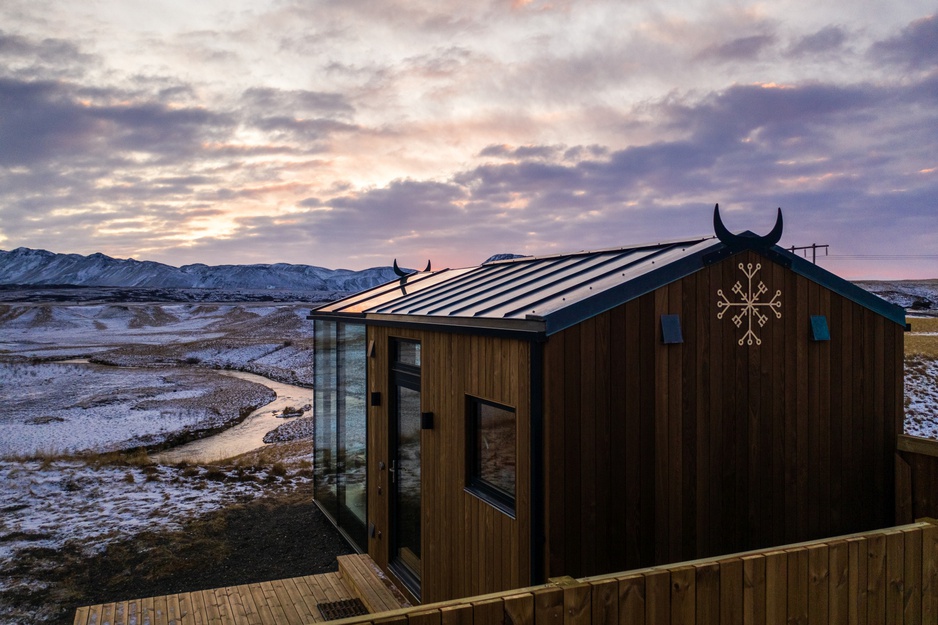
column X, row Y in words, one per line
column 492, row 452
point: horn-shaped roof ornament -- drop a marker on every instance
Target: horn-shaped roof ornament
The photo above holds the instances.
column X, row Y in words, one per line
column 747, row 240
column 404, row 274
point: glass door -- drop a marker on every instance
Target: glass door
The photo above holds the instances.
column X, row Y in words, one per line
column 405, row 463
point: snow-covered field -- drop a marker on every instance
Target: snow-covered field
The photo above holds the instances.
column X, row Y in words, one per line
column 270, row 340
column 49, row 503
column 76, row 507
column 58, row 408
column 155, row 375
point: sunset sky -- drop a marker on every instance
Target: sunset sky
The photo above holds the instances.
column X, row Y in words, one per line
column 348, row 133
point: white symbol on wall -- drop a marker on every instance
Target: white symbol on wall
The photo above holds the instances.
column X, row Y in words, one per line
column 750, row 308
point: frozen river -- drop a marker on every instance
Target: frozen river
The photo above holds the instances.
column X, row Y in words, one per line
column 247, row 435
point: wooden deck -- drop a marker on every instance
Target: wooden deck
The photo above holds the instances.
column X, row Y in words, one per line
column 278, row 602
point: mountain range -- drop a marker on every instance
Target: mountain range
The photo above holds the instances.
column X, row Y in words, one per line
column 24, row 266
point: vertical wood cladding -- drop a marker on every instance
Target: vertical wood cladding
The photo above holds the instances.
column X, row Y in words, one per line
column 468, row 546
column 658, row 453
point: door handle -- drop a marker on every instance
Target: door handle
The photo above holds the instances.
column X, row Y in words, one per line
column 393, row 470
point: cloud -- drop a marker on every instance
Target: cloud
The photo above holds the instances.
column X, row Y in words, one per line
column 523, row 152
column 47, row 121
column 48, row 50
column 344, row 133
column 915, row 47
column 740, row 49
column 828, row 40
column 266, row 99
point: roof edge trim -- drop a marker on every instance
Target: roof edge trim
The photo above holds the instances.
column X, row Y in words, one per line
column 513, row 326
column 845, row 288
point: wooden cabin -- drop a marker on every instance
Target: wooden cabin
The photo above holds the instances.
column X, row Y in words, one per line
column 485, row 428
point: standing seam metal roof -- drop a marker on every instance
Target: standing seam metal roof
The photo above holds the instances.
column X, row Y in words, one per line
column 528, row 288
column 550, row 293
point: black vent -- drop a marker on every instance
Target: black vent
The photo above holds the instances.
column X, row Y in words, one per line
column 334, row 610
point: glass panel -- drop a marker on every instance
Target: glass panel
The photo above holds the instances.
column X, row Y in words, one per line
column 493, row 451
column 340, row 415
column 351, row 390
column 497, row 447
column 324, row 413
column 407, row 353
column 407, row 478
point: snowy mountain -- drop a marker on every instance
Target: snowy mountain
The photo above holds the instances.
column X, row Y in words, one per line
column 24, row 266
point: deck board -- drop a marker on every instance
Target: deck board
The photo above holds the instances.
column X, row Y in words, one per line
column 277, row 602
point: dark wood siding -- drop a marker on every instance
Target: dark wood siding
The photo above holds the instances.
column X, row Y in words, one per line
column 468, row 546
column 658, row 453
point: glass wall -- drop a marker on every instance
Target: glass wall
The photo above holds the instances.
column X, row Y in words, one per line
column 340, row 414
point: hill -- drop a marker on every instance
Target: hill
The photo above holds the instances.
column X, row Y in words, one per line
column 29, row 267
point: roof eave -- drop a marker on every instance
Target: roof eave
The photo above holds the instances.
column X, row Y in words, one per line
column 529, row 326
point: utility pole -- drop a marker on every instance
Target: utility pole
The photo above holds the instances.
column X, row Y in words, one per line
column 813, row 247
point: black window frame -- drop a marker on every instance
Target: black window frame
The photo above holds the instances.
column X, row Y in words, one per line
column 475, row 483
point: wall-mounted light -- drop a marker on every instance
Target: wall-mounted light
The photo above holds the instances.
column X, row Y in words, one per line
column 819, row 329
column 671, row 329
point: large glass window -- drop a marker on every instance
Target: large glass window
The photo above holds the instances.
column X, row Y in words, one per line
column 492, row 452
column 405, row 470
column 341, row 417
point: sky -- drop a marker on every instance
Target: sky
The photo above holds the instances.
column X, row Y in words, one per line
column 349, row 133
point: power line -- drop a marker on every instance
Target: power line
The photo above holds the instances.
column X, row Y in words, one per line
column 814, row 247
column 882, row 256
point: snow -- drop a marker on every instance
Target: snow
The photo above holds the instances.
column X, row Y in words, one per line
column 301, row 428
column 56, row 407
column 47, row 504
column 921, row 397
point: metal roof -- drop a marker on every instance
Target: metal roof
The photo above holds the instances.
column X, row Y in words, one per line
column 545, row 293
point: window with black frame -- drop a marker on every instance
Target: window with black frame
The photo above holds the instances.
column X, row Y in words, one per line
column 339, row 477
column 492, row 452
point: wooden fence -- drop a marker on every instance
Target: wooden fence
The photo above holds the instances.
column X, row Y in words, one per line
column 916, row 478
column 883, row 576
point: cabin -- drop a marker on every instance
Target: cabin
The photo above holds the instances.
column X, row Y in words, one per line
column 487, row 428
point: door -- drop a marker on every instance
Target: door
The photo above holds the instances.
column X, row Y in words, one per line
column 404, row 454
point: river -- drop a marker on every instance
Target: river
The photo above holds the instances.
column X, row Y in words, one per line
column 247, row 435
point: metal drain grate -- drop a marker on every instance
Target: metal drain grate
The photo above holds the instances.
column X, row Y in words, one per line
column 333, row 610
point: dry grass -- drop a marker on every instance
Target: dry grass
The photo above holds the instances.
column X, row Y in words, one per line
column 923, row 340
column 136, row 457
column 294, row 454
column 923, row 324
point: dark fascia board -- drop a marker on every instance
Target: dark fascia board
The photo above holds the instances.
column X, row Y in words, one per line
column 314, row 314
column 845, row 288
column 528, row 329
